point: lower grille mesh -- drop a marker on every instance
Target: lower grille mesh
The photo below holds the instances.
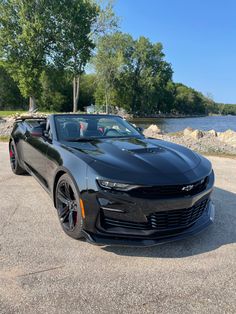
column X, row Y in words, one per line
column 176, row 218
column 162, row 221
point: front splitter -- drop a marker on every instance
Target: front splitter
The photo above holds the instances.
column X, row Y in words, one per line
column 202, row 223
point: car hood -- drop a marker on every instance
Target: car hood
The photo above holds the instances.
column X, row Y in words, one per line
column 142, row 160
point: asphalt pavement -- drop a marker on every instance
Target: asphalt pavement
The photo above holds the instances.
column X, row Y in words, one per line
column 42, row 270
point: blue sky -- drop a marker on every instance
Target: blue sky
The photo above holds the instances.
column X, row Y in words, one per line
column 199, row 39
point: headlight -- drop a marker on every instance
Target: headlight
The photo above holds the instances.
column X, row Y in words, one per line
column 116, row 186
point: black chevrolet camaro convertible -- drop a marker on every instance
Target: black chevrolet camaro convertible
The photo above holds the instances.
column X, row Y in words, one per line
column 112, row 185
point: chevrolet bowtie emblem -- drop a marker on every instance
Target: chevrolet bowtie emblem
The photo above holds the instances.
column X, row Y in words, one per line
column 187, row 188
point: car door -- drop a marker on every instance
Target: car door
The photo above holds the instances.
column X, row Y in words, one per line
column 54, row 159
column 35, row 152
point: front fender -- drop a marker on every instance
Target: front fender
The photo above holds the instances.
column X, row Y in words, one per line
column 78, row 176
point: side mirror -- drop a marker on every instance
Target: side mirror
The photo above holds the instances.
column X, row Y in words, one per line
column 139, row 129
column 46, row 134
column 36, row 132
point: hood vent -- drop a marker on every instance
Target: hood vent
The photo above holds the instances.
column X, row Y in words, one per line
column 150, row 150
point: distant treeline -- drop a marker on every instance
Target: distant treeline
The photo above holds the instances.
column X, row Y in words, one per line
column 223, row 109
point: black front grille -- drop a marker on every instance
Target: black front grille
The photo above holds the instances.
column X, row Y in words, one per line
column 170, row 190
column 175, row 219
column 112, row 223
column 163, row 220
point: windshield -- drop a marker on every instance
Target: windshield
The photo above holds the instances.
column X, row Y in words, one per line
column 81, row 127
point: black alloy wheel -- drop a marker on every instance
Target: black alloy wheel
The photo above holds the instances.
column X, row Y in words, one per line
column 16, row 168
column 68, row 207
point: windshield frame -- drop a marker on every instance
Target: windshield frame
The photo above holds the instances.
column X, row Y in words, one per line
column 93, row 138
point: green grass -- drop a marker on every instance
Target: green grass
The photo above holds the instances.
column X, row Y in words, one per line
column 6, row 113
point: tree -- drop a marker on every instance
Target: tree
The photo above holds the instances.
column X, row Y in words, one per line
column 10, row 96
column 133, row 72
column 150, row 74
column 109, row 61
column 34, row 34
column 73, row 44
column 188, row 101
column 87, row 90
column 56, row 91
column 26, row 36
column 80, row 22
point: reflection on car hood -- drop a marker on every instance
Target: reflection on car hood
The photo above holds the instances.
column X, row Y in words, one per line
column 142, row 160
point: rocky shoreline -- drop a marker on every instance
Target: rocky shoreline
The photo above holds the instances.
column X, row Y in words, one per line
column 6, row 124
column 205, row 142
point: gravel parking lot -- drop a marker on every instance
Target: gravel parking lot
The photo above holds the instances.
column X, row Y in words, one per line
column 44, row 271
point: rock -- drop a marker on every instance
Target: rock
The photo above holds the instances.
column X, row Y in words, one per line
column 152, row 131
column 188, row 131
column 154, row 128
column 228, row 137
column 6, row 127
column 212, row 133
column 227, row 134
column 10, row 119
column 196, row 134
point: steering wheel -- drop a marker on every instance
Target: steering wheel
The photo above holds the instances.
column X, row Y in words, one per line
column 114, row 131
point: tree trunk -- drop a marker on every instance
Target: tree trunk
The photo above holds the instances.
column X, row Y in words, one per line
column 106, row 99
column 76, row 86
column 32, row 104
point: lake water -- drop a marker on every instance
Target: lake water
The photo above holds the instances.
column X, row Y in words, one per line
column 218, row 123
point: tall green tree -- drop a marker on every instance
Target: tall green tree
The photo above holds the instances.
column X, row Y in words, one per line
column 149, row 74
column 26, row 37
column 109, row 61
column 80, row 23
column 73, row 43
column 34, row 34
column 134, row 72
column 188, row 101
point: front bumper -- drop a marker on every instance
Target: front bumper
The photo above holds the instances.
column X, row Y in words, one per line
column 133, row 213
column 101, row 239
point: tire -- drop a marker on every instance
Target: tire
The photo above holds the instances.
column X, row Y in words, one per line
column 14, row 160
column 67, row 203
